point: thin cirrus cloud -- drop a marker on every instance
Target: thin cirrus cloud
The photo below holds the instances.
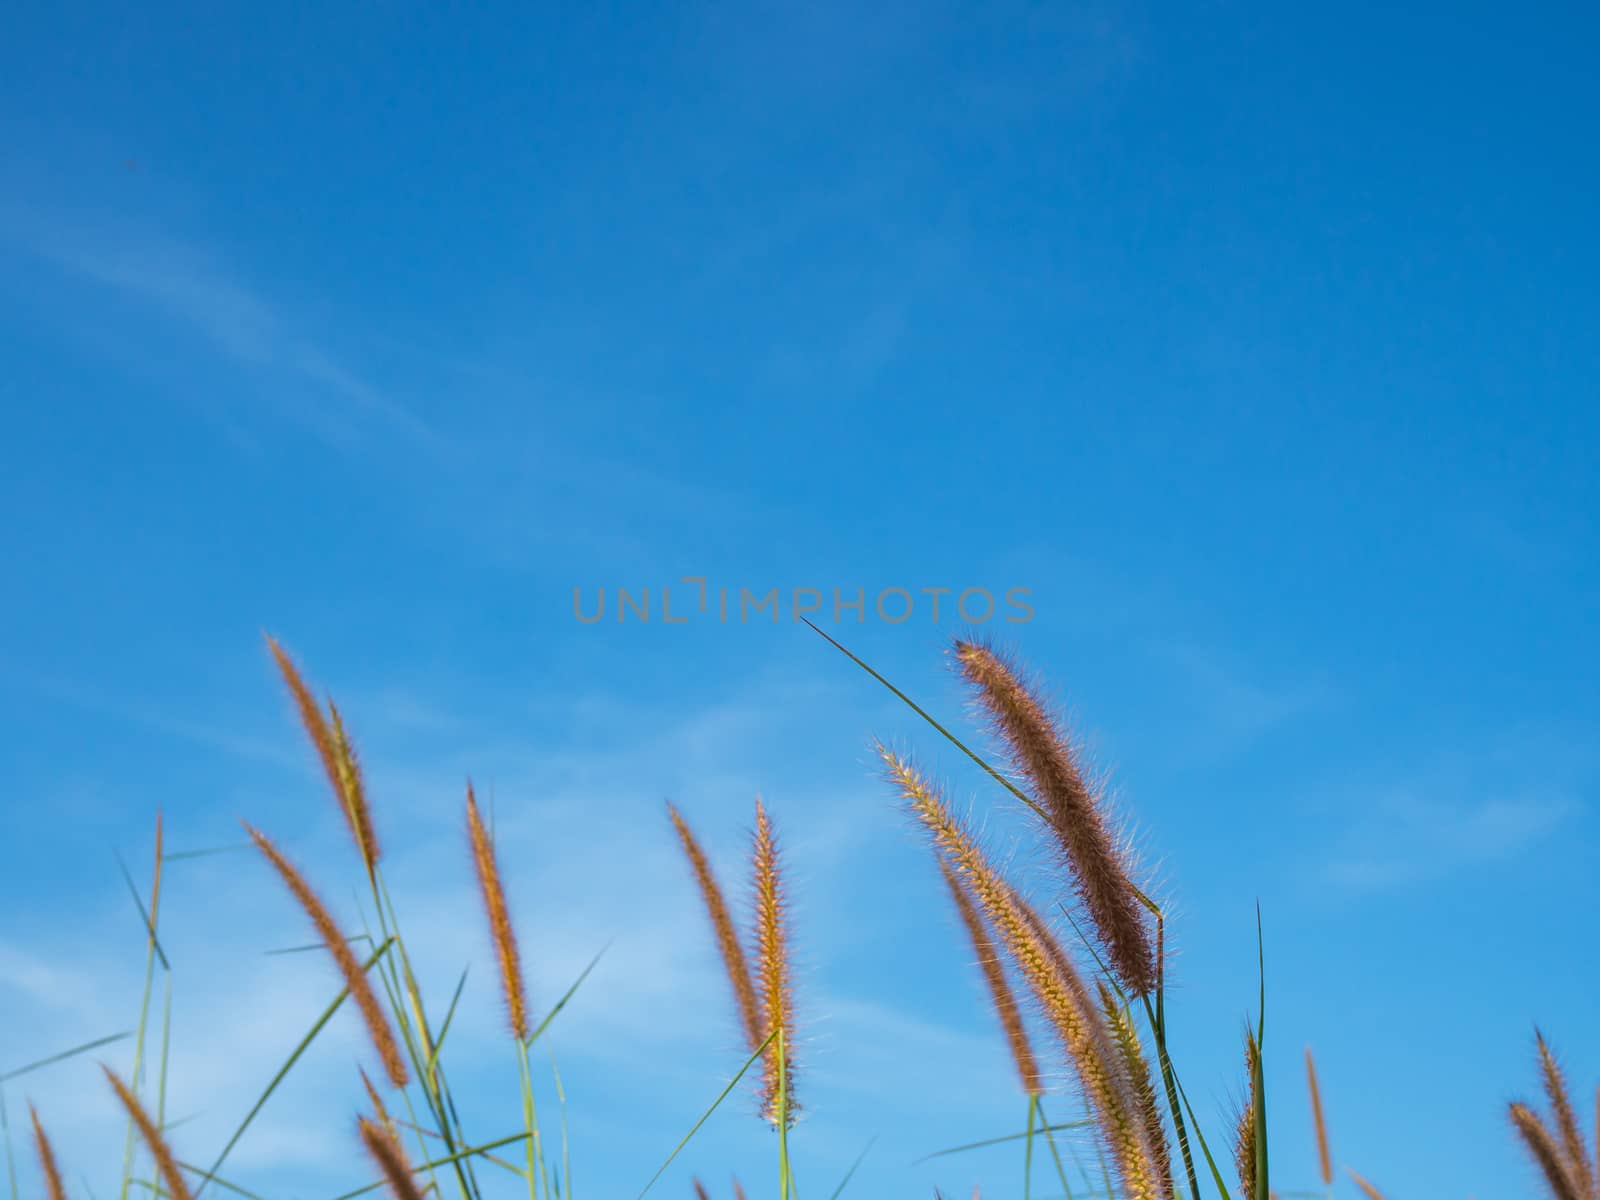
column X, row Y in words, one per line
column 192, row 288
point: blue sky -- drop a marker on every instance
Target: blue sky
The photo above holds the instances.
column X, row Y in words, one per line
column 1255, row 342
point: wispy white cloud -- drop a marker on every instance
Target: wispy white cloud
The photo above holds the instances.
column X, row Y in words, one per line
column 197, row 290
column 1407, row 837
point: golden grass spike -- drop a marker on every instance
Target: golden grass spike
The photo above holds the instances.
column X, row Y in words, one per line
column 159, row 1150
column 1370, row 1192
column 1573, row 1152
column 353, row 789
column 700, row 1190
column 1244, row 1146
column 47, row 1159
column 338, row 756
column 733, row 957
column 379, row 1109
column 1126, row 1039
column 494, row 905
column 391, row 1159
column 1005, row 1004
column 1546, row 1152
column 772, row 958
column 1060, row 994
column 354, row 977
column 1324, row 1157
column 1100, row 871
column 738, row 1189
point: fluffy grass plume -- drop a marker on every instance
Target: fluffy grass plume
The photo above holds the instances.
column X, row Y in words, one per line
column 494, row 905
column 1062, row 999
column 379, row 1108
column 1100, row 871
column 728, row 946
column 1574, row 1154
column 1557, row 1147
column 994, row 974
column 391, row 1159
column 159, row 1150
column 1244, row 1145
column 1546, row 1152
column 700, row 1192
column 47, row 1159
column 1367, row 1190
column 776, row 994
column 333, row 747
column 355, row 978
column 1137, row 1068
column 1324, row 1156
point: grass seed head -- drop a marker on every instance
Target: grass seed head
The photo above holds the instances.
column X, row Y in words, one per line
column 344, row 958
column 1574, row 1154
column 391, row 1159
column 1324, row 1157
column 47, row 1159
column 337, row 754
column 1546, row 1153
column 159, row 1150
column 494, row 905
column 1005, row 1003
column 1059, row 992
column 1100, row 870
column 722, row 927
column 775, row 992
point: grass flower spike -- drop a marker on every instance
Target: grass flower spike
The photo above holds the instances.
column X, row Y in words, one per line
column 1062, row 997
column 391, row 1159
column 333, row 747
column 772, row 959
column 159, row 1150
column 1558, row 1152
column 355, row 978
column 1324, row 1156
column 1005, row 1004
column 1100, row 871
column 728, row 946
column 494, row 904
column 47, row 1159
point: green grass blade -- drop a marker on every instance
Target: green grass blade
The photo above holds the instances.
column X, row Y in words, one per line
column 1259, row 1083
column 66, row 1054
column 838, row 1191
column 997, row 1141
column 283, row 1071
column 706, row 1116
column 562, row 1003
column 448, row 1160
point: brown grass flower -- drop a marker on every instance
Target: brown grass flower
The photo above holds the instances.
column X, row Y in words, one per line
column 1324, row 1157
column 1546, row 1152
column 1367, row 1190
column 1005, row 1003
column 700, row 1192
column 1574, row 1154
column 1137, row 1068
column 338, row 756
column 494, row 905
column 355, row 978
column 733, row 956
column 772, row 959
column 379, row 1108
column 159, row 1150
column 1244, row 1146
column 47, row 1159
column 1062, row 998
column 391, row 1159
column 1100, row 870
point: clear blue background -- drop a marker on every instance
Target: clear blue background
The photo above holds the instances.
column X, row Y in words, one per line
column 1258, row 342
